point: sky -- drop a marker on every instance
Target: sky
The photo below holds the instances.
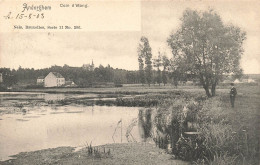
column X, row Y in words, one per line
column 119, row 48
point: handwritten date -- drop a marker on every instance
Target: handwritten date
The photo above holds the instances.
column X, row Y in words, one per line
column 24, row 16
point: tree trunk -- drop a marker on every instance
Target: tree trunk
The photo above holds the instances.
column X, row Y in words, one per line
column 207, row 90
column 213, row 90
column 205, row 85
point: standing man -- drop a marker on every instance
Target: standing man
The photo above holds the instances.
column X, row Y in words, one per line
column 233, row 93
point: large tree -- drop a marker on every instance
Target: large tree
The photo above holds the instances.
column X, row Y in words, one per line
column 207, row 47
column 145, row 51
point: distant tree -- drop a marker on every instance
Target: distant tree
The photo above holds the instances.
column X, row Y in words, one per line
column 176, row 77
column 157, row 63
column 154, row 77
column 165, row 64
column 145, row 51
column 120, row 76
column 141, row 65
column 207, row 47
column 103, row 74
column 9, row 79
column 132, row 77
column 238, row 74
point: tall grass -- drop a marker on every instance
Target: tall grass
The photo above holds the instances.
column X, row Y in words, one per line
column 97, row 152
column 219, row 159
column 218, row 135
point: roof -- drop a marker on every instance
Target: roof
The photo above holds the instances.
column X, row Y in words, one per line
column 58, row 75
column 41, row 77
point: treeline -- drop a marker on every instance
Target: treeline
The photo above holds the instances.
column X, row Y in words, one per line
column 81, row 76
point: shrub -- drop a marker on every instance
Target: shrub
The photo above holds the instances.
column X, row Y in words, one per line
column 118, row 85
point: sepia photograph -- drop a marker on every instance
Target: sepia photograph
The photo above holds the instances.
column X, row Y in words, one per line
column 129, row 82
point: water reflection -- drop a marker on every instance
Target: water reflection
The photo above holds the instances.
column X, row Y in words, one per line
column 30, row 126
column 44, row 127
column 145, row 123
column 160, row 127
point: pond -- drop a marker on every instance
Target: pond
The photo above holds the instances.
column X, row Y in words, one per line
column 36, row 127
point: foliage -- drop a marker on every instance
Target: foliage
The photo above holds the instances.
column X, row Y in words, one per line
column 238, row 74
column 9, row 79
column 165, row 64
column 141, row 66
column 157, row 64
column 145, row 51
column 204, row 46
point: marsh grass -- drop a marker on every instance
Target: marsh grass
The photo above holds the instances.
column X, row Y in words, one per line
column 97, row 152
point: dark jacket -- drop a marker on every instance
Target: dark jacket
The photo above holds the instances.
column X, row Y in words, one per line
column 233, row 91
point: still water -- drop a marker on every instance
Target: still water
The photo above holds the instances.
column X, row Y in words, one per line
column 42, row 127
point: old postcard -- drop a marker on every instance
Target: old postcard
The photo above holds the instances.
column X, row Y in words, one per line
column 129, row 82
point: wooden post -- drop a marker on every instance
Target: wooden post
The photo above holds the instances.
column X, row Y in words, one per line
column 121, row 129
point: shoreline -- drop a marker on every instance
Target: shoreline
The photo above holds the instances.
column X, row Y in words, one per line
column 117, row 153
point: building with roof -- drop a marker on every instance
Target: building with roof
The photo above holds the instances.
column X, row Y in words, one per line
column 54, row 79
column 89, row 67
column 40, row 80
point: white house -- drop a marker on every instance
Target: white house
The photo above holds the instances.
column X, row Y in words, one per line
column 40, row 80
column 54, row 79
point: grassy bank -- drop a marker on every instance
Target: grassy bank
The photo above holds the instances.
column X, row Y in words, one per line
column 132, row 153
column 210, row 131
